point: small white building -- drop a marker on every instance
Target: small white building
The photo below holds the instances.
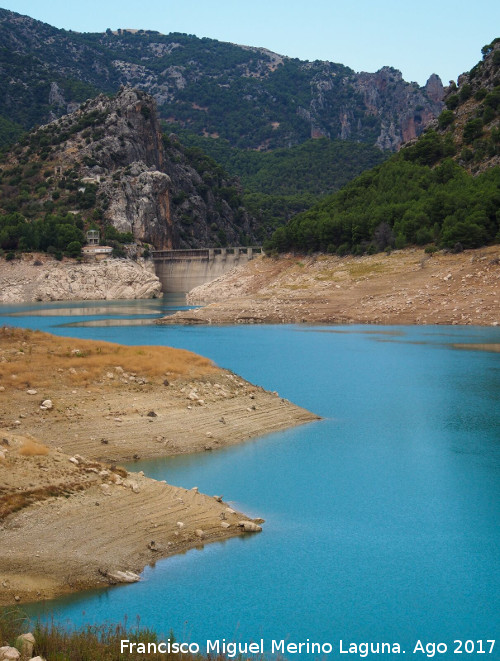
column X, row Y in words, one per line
column 93, row 249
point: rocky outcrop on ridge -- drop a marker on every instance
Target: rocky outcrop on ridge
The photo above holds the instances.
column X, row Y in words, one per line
column 109, row 162
column 250, row 96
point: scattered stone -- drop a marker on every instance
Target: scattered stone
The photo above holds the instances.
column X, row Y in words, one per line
column 74, row 460
column 152, row 546
column 152, row 414
column 32, row 391
column 225, row 524
column 46, row 405
column 9, row 654
column 166, row 382
column 229, row 510
column 25, row 644
column 249, row 526
column 106, row 489
column 131, row 484
column 218, row 498
column 199, row 533
column 180, row 524
column 195, row 489
column 123, row 576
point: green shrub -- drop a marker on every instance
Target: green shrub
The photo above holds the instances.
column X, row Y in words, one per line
column 445, row 119
column 473, row 130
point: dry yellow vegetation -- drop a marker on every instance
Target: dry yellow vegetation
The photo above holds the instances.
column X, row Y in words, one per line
column 33, row 357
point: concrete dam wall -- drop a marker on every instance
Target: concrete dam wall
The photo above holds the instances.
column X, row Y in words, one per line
column 181, row 270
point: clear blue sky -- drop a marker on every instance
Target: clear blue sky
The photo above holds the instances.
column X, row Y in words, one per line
column 419, row 38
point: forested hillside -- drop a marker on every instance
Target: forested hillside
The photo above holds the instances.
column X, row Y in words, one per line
column 443, row 190
column 249, row 96
column 280, row 183
column 107, row 166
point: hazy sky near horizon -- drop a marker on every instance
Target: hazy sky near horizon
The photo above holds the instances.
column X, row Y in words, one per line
column 429, row 36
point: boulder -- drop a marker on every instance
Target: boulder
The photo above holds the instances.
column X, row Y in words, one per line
column 250, row 526
column 25, row 644
column 9, row 654
column 123, row 576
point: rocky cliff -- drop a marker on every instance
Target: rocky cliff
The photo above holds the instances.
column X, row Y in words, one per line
column 44, row 279
column 472, row 115
column 109, row 163
column 250, row 96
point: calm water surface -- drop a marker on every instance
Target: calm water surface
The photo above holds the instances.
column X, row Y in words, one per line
column 381, row 519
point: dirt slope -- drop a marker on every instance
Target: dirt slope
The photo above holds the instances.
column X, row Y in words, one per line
column 404, row 287
column 69, row 411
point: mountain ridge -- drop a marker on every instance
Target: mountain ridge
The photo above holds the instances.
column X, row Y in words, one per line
column 251, row 96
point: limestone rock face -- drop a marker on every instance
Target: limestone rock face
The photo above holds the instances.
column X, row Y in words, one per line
column 403, row 109
column 128, row 175
column 434, row 88
column 68, row 281
column 141, row 205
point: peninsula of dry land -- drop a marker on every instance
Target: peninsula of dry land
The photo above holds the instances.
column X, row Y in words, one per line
column 403, row 287
column 70, row 517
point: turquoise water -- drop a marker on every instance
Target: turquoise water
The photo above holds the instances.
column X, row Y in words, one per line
column 381, row 519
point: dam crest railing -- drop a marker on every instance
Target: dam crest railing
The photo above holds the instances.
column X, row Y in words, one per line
column 203, row 254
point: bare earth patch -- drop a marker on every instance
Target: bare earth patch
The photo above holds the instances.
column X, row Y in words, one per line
column 70, row 517
column 404, row 287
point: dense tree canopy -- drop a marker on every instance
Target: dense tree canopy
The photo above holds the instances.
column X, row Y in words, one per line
column 398, row 203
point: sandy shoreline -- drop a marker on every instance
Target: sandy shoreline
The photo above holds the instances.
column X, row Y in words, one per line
column 404, row 287
column 64, row 536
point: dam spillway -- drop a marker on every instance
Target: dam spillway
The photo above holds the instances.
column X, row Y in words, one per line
column 181, row 270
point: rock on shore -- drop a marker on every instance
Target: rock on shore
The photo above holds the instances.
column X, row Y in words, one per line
column 41, row 278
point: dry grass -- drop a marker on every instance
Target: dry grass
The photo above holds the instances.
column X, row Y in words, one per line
column 32, row 448
column 364, row 269
column 35, row 359
column 91, row 643
column 13, row 502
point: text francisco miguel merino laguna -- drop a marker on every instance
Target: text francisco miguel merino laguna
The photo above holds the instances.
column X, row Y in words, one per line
column 232, row 650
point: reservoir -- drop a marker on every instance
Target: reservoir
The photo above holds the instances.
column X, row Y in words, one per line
column 382, row 519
